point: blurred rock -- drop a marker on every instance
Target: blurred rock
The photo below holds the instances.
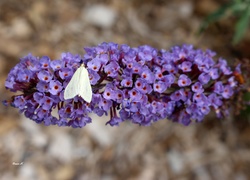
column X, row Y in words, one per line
column 37, row 137
column 7, row 176
column 7, row 124
column 2, row 65
column 36, row 13
column 103, row 134
column 185, row 9
column 14, row 142
column 100, row 15
column 27, row 171
column 64, row 172
column 61, row 146
column 13, row 49
column 176, row 161
column 240, row 176
column 202, row 173
column 136, row 23
column 205, row 7
column 20, row 28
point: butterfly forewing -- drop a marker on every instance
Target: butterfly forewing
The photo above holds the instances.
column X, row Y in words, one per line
column 72, row 89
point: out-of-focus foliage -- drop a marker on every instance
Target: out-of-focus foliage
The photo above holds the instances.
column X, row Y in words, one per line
column 242, row 99
column 245, row 113
column 238, row 8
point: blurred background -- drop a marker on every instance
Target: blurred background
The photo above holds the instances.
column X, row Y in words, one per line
column 213, row 149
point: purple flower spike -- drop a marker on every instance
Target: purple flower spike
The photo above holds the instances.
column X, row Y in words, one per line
column 141, row 85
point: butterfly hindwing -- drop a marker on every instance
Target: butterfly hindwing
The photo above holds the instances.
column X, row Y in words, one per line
column 85, row 90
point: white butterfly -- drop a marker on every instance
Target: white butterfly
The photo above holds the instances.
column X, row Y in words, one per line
column 79, row 85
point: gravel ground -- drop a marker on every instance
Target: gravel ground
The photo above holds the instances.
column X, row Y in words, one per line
column 214, row 149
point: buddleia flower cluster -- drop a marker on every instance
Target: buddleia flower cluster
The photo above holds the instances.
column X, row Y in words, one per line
column 141, row 85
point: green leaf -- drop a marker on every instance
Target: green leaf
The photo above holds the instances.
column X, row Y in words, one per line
column 242, row 25
column 246, row 96
column 239, row 5
column 215, row 16
column 245, row 113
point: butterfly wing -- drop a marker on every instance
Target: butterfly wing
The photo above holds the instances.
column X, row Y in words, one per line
column 85, row 90
column 72, row 89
